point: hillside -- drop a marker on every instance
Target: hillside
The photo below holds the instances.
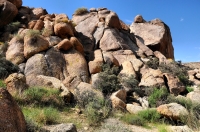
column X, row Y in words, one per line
column 90, row 69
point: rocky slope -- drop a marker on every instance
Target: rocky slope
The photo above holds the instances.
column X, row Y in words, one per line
column 52, row 50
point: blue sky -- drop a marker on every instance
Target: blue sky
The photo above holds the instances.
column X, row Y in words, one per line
column 182, row 16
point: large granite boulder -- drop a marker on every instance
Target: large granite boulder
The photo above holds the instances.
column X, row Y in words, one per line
column 8, row 12
column 156, row 35
column 11, row 116
column 16, row 83
column 15, row 52
column 173, row 111
column 34, row 45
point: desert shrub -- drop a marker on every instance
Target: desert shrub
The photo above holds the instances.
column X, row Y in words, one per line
column 40, row 96
column 130, row 82
column 19, row 37
column 13, row 27
column 3, row 48
column 150, row 115
column 81, row 11
column 158, row 96
column 2, row 84
column 142, row 117
column 108, row 81
column 153, row 62
column 97, row 110
column 7, row 68
column 192, row 119
column 33, row 33
column 37, row 117
column 178, row 70
column 133, row 119
column 47, row 32
column 189, row 89
column 84, row 98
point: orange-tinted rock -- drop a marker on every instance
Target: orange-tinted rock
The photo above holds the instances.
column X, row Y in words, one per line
column 11, row 116
column 8, row 12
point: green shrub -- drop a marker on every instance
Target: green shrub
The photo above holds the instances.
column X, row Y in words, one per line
column 19, row 38
column 33, row 33
column 150, row 115
column 189, row 89
column 192, row 120
column 158, row 96
column 97, row 110
column 108, row 81
column 81, row 11
column 142, row 118
column 13, row 27
column 84, row 98
column 2, row 84
column 40, row 96
column 133, row 119
column 7, row 68
column 3, row 49
column 47, row 32
column 130, row 82
column 178, row 70
column 37, row 117
column 153, row 62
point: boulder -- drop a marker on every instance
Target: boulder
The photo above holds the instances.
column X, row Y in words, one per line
column 112, row 20
column 36, row 65
column 48, row 30
column 16, row 83
column 34, row 45
column 95, row 65
column 173, row 111
column 151, row 77
column 65, row 44
column 56, row 63
column 127, row 69
column 133, row 109
column 61, row 128
column 15, row 52
column 184, row 128
column 63, row 30
column 118, row 99
column 194, row 96
column 31, row 24
column 129, row 40
column 192, row 76
column 110, row 59
column 36, row 13
column 77, row 68
column 174, row 84
column 98, row 34
column 112, row 40
column 86, row 27
column 61, row 18
column 161, row 57
column 39, row 25
column 86, row 88
column 8, row 12
column 144, row 102
column 77, row 45
column 17, row 3
column 11, row 116
column 143, row 50
column 139, row 19
column 156, row 35
column 53, row 40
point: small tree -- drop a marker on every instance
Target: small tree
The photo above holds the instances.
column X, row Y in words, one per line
column 108, row 81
